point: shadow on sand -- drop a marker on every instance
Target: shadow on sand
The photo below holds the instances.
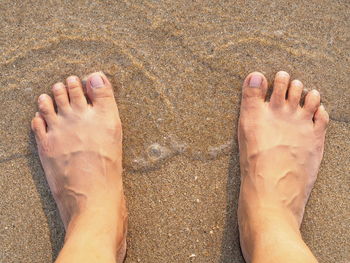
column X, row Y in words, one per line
column 230, row 239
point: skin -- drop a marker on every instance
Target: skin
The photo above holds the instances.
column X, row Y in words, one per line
column 281, row 148
column 80, row 148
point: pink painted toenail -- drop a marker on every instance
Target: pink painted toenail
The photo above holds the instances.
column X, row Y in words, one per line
column 96, row 81
column 255, row 81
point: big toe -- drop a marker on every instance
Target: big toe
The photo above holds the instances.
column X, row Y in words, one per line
column 100, row 90
column 254, row 88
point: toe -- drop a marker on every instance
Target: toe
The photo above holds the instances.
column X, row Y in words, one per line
column 61, row 97
column 100, row 90
column 312, row 102
column 254, row 88
column 46, row 109
column 280, row 87
column 294, row 93
column 39, row 127
column 76, row 93
column 321, row 118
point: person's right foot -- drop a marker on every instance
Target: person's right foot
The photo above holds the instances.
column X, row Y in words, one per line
column 281, row 147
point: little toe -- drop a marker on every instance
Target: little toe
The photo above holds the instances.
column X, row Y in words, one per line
column 254, row 88
column 312, row 102
column 46, row 109
column 321, row 118
column 280, row 88
column 294, row 93
column 61, row 97
column 38, row 127
column 76, row 93
column 100, row 90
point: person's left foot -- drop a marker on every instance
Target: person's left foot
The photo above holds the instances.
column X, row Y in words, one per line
column 80, row 148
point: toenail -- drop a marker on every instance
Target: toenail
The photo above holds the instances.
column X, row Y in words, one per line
column 96, row 81
column 283, row 74
column 57, row 86
column 72, row 80
column 315, row 92
column 255, row 81
column 297, row 82
column 42, row 97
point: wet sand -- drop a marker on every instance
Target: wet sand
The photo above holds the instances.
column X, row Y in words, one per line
column 177, row 68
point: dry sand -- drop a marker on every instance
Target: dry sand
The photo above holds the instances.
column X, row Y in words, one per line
column 179, row 65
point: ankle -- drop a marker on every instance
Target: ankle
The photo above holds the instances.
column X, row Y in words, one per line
column 105, row 224
column 86, row 234
column 261, row 227
column 275, row 240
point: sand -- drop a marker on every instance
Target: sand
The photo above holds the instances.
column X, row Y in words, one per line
column 177, row 67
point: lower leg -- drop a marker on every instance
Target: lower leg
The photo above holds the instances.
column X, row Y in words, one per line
column 271, row 234
column 94, row 238
column 281, row 147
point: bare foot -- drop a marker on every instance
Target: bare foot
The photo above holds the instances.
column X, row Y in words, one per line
column 80, row 148
column 281, row 148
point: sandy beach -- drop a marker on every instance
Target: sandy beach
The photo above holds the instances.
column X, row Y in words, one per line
column 177, row 69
